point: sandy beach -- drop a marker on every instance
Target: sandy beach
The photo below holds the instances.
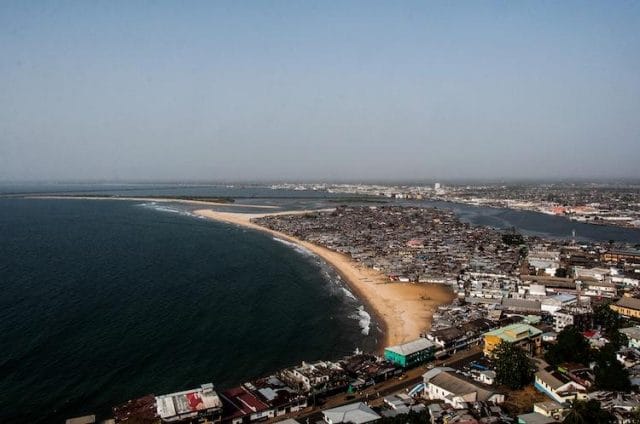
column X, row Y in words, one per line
column 403, row 310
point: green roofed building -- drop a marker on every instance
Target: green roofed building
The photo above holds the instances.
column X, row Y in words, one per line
column 525, row 336
column 410, row 354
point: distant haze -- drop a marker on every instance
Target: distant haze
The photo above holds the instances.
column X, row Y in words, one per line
column 319, row 90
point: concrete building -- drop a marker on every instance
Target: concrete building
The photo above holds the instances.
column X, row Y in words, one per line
column 525, row 336
column 454, row 389
column 557, row 386
column 557, row 302
column 580, row 318
column 628, row 256
column 318, row 377
column 627, row 306
column 190, row 404
column 410, row 354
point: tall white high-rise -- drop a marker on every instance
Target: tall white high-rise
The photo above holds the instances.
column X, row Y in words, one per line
column 436, row 186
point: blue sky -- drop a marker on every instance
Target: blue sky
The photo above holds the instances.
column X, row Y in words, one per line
column 319, row 90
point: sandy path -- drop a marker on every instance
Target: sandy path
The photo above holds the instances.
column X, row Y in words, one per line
column 403, row 310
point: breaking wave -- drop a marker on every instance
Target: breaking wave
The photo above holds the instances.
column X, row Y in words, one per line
column 364, row 319
column 168, row 209
column 348, row 293
column 295, row 247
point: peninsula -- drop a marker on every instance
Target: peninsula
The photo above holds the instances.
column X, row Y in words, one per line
column 402, row 309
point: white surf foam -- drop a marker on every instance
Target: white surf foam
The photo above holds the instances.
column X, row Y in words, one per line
column 296, row 247
column 364, row 319
column 168, row 209
column 348, row 293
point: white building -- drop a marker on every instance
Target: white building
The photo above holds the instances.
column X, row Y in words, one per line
column 454, row 389
column 558, row 386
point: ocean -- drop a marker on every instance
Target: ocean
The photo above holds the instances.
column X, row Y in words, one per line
column 102, row 301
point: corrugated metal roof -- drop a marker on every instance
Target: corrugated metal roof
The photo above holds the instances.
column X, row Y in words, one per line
column 411, row 347
column 356, row 413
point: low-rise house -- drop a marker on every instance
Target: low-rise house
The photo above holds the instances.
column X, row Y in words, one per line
column 242, row 406
column 558, row 386
column 487, row 377
column 400, row 404
column 367, row 369
column 200, row 403
column 633, row 335
column 456, row 390
column 551, row 409
column 535, row 418
column 622, row 405
column 277, row 395
column 628, row 356
column 319, row 377
column 355, row 413
column 410, row 354
column 628, row 307
column 524, row 336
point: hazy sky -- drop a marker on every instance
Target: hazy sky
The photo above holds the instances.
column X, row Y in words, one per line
column 308, row 90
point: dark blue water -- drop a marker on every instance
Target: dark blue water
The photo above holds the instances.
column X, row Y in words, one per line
column 103, row 301
column 531, row 223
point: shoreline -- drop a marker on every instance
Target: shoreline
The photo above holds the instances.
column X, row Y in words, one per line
column 402, row 310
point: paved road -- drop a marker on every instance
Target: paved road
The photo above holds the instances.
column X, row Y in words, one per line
column 374, row 394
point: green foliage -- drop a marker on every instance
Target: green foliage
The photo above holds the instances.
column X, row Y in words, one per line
column 571, row 346
column 607, row 318
column 610, row 374
column 523, row 252
column 588, row 412
column 618, row 339
column 561, row 273
column 513, row 367
column 635, row 416
column 513, row 239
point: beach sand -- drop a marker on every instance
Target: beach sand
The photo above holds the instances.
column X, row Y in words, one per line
column 403, row 310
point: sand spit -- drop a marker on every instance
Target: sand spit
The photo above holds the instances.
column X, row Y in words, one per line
column 404, row 310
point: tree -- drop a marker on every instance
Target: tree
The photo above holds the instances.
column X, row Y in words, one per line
column 635, row 416
column 588, row 412
column 618, row 339
column 571, row 346
column 561, row 273
column 513, row 367
column 607, row 318
column 610, row 373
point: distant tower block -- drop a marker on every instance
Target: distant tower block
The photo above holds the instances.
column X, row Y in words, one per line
column 436, row 186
